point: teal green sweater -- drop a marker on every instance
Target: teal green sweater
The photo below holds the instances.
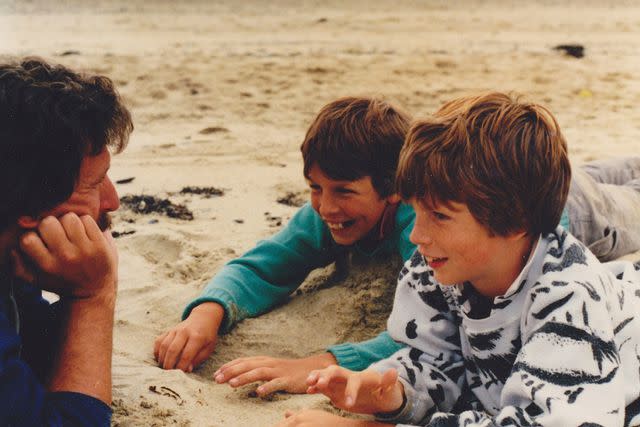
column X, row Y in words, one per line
column 264, row 276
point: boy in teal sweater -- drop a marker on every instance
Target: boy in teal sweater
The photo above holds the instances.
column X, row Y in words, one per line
column 350, row 155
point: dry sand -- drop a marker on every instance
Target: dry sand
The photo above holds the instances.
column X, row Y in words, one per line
column 221, row 95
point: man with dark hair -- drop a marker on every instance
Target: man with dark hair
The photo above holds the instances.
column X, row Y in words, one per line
column 56, row 130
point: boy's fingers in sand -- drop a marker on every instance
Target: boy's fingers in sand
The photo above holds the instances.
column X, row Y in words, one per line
column 170, row 348
column 276, row 384
column 194, row 353
column 281, row 374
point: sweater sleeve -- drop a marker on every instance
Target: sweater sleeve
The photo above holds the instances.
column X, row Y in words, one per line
column 358, row 356
column 253, row 283
column 25, row 402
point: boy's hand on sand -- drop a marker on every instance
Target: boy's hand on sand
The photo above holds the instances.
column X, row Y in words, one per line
column 70, row 256
column 288, row 375
column 191, row 341
column 316, row 418
column 366, row 392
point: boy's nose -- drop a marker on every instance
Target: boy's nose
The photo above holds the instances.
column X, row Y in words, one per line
column 419, row 235
column 109, row 200
column 328, row 206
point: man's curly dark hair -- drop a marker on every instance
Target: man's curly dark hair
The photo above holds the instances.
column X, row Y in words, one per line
column 50, row 119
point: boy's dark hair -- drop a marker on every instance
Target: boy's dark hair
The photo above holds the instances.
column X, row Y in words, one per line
column 356, row 137
column 50, row 118
column 505, row 159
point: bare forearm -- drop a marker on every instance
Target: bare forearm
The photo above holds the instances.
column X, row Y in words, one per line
column 83, row 363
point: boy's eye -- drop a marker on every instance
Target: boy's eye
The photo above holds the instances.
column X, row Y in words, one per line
column 314, row 187
column 440, row 216
column 345, row 191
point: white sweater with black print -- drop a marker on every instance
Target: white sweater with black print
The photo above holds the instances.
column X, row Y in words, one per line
column 560, row 348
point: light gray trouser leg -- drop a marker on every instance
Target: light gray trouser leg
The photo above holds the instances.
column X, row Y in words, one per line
column 604, row 206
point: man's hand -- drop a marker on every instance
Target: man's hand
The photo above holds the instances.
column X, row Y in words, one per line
column 366, row 392
column 281, row 374
column 71, row 255
column 315, row 418
column 191, row 341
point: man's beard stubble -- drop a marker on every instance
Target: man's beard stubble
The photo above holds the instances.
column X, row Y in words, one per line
column 104, row 221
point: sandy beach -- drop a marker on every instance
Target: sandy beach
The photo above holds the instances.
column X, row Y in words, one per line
column 222, row 93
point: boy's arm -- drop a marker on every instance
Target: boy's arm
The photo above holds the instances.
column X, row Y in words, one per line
column 246, row 287
column 253, row 283
column 358, row 356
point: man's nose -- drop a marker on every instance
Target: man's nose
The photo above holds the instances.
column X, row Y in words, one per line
column 109, row 200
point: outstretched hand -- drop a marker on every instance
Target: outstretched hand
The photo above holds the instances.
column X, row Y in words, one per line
column 191, row 341
column 366, row 392
column 288, row 375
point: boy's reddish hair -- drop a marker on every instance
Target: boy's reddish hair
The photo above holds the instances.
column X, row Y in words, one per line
column 504, row 158
column 354, row 137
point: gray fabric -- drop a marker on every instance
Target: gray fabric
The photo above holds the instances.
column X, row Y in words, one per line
column 604, row 206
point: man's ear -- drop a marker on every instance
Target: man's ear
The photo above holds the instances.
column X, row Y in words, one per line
column 394, row 198
column 28, row 222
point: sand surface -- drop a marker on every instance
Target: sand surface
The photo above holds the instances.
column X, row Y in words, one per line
column 222, row 94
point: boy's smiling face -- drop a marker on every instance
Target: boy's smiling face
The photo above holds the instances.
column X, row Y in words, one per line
column 459, row 249
column 351, row 209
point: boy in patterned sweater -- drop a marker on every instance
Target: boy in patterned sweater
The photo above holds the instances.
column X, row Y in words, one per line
column 507, row 319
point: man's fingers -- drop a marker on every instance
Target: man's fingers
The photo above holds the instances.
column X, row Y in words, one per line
column 52, row 233
column 73, row 228
column 33, row 246
column 91, row 228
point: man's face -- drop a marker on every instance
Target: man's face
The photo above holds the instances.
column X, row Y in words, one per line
column 94, row 193
column 459, row 249
column 351, row 209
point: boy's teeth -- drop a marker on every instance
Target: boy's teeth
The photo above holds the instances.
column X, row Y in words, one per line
column 335, row 225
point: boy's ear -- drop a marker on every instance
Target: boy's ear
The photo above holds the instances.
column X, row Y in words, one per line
column 28, row 222
column 394, row 198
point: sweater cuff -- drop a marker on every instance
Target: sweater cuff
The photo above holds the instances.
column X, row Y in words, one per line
column 232, row 314
column 415, row 407
column 347, row 356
